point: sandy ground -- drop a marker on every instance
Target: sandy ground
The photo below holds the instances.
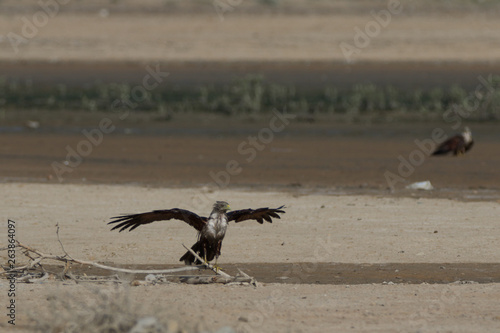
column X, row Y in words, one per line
column 385, row 225
column 296, row 308
column 315, row 228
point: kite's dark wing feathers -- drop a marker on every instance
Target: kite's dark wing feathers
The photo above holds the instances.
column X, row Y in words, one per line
column 132, row 221
column 455, row 143
column 259, row 214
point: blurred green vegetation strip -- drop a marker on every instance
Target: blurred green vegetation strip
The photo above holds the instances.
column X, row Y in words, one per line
column 254, row 95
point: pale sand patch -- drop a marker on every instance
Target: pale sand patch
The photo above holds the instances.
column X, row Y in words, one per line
column 350, row 229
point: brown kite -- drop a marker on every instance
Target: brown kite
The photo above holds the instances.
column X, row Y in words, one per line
column 211, row 230
column 457, row 144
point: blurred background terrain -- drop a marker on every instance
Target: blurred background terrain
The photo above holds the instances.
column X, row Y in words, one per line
column 363, row 80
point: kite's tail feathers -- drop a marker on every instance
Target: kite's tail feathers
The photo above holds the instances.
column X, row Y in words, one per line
column 189, row 258
column 440, row 151
column 199, row 248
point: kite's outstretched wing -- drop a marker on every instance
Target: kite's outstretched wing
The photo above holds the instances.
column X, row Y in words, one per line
column 259, row 214
column 132, row 221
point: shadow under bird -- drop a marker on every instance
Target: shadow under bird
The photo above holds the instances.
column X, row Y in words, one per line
column 211, row 230
column 457, row 144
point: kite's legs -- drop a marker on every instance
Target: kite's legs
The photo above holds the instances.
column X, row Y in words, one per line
column 217, row 268
column 205, row 255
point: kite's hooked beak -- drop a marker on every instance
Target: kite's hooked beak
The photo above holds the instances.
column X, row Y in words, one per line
column 228, row 207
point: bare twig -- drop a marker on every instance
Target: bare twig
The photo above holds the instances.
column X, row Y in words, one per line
column 59, row 240
column 138, row 271
column 66, row 269
column 253, row 281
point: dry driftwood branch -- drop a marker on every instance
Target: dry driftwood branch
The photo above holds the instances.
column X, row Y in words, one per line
column 36, row 257
column 65, row 259
column 111, row 278
column 242, row 277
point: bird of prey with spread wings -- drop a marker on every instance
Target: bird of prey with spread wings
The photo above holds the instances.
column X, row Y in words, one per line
column 457, row 144
column 211, row 230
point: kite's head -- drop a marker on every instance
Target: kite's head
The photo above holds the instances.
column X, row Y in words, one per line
column 221, row 206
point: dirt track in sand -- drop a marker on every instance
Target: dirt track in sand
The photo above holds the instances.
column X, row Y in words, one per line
column 328, row 273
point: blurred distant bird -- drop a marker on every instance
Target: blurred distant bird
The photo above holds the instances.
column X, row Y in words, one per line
column 458, row 144
column 211, row 230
